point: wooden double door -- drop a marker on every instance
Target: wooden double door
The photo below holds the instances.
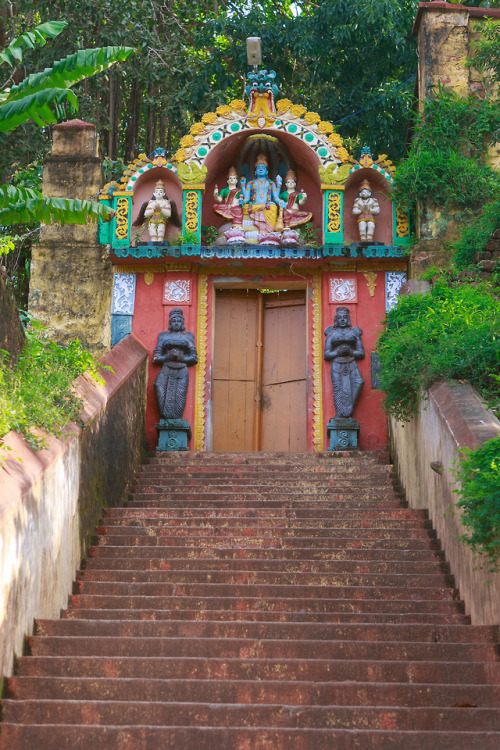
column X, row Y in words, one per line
column 259, row 371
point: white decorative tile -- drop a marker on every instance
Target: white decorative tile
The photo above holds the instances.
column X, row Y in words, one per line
column 178, row 291
column 123, row 294
column 394, row 280
column 342, row 290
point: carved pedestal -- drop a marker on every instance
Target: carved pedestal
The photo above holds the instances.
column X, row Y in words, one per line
column 342, row 433
column 173, row 435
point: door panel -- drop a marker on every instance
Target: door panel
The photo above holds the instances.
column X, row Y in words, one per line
column 234, row 370
column 259, row 386
column 284, row 414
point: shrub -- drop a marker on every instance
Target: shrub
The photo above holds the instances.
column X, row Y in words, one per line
column 38, row 393
column 452, row 332
column 478, row 473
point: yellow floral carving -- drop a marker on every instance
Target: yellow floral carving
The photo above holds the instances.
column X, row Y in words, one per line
column 283, row 106
column 297, row 110
column 335, row 139
column 238, row 105
column 224, row 110
column 187, row 141
column 343, row 154
column 197, row 128
column 209, row 118
column 311, row 118
column 180, row 155
column 325, row 127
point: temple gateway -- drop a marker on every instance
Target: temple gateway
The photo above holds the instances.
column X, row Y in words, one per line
column 257, row 266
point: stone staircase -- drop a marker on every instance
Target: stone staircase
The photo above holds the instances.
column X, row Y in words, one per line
column 258, row 601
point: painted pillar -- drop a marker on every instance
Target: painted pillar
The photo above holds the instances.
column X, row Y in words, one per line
column 191, row 210
column 333, row 204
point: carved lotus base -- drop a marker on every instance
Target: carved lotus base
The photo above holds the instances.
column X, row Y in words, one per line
column 343, row 434
column 173, row 434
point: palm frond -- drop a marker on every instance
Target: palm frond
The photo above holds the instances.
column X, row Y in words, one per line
column 23, row 205
column 71, row 69
column 13, row 54
column 39, row 107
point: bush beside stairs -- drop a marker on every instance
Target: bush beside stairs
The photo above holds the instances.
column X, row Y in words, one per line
column 257, row 601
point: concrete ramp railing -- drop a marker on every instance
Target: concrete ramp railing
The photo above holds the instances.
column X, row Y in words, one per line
column 450, row 418
column 51, row 501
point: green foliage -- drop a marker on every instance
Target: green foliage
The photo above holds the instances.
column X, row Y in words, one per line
column 478, row 473
column 333, row 56
column 446, row 164
column 486, row 50
column 38, row 393
column 475, row 236
column 13, row 54
column 452, row 332
column 208, row 235
column 188, row 237
column 309, row 234
column 42, row 97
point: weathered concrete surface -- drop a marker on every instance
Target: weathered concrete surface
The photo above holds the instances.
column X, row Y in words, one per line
column 71, row 273
column 453, row 417
column 50, row 501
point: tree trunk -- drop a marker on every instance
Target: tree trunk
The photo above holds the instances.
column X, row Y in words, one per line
column 114, row 114
column 134, row 109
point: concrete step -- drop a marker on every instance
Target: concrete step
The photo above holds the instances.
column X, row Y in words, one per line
column 80, row 737
column 250, row 668
column 425, row 615
column 254, row 630
column 155, row 713
column 257, row 601
column 247, row 691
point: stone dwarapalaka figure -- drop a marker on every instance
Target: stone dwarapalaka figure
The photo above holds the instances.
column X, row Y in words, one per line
column 175, row 352
column 158, row 212
column 343, row 347
column 366, row 207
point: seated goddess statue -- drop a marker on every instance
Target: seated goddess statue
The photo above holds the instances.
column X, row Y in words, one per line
column 292, row 215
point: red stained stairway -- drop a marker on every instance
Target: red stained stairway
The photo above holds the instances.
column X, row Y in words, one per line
column 257, row 602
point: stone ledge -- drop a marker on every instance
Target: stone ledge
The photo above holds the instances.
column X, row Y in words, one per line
column 469, row 421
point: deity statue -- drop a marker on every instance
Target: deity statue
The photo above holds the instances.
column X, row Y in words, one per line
column 175, row 351
column 261, row 195
column 292, row 215
column 366, row 207
column 158, row 211
column 228, row 199
column 343, row 347
column 228, row 206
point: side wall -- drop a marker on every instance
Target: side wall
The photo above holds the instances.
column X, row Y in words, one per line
column 453, row 417
column 51, row 501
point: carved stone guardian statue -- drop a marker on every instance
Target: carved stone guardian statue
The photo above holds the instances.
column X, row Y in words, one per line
column 343, row 346
column 175, row 352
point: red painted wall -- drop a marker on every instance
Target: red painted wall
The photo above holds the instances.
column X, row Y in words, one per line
column 151, row 317
column 367, row 313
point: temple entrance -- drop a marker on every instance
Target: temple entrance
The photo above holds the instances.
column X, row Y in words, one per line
column 259, row 371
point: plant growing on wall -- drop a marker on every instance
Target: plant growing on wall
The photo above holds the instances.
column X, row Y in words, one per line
column 451, row 332
column 478, row 474
column 38, row 393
